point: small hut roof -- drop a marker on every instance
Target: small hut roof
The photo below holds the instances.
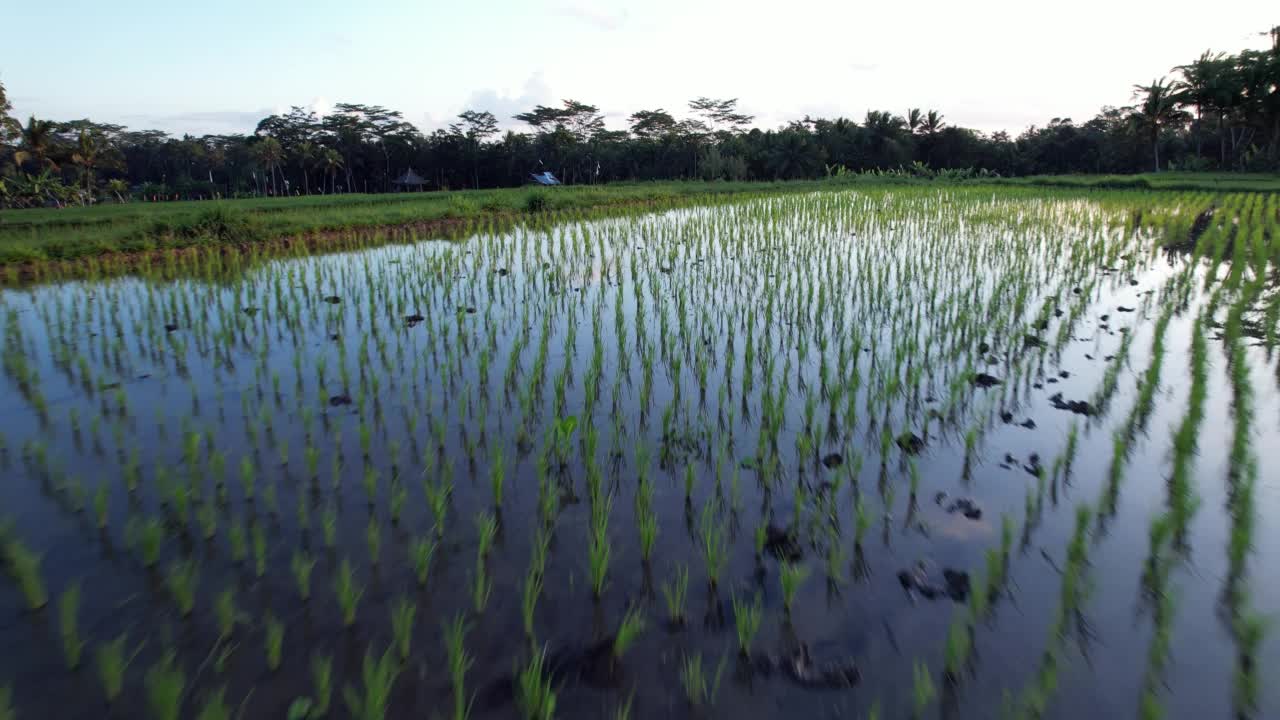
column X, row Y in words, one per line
column 410, row 178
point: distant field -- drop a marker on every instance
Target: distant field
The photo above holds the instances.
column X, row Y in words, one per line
column 77, row 232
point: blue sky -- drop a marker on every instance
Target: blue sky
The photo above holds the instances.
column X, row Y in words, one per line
column 218, row 67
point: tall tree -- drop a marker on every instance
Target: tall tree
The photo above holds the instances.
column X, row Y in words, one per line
column 475, row 127
column 36, row 144
column 1157, row 109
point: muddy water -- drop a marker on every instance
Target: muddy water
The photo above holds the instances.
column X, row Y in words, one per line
column 241, row 368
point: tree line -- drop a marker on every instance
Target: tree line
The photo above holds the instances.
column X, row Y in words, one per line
column 1219, row 112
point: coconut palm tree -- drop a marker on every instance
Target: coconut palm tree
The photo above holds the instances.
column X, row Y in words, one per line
column 1157, row 110
column 932, row 123
column 268, row 153
column 85, row 156
column 1199, row 87
column 35, row 144
column 914, row 120
column 331, row 162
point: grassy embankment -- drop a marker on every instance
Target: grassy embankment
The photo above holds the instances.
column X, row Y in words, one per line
column 36, row 237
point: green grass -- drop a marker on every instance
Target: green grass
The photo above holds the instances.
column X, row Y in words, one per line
column 534, row 692
column 165, row 683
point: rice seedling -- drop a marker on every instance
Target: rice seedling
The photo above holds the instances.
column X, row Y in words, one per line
column 599, row 549
column 455, row 635
column 302, row 565
column 346, row 592
column 68, row 611
column 403, row 612
column 746, row 620
column 112, row 663
column 674, row 593
column 422, row 551
column 373, row 537
column 378, row 676
column 182, row 579
column 633, row 624
column 535, row 695
column 274, row 635
column 165, row 683
column 923, row 690
column 259, row 538
column 700, row 691
column 215, row 706
column 791, row 576
column 321, row 684
column 6, row 704
column 225, row 612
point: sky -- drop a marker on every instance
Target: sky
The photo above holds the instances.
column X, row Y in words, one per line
column 219, row 67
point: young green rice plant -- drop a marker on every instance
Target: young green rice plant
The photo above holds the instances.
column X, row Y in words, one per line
column 791, row 576
column 259, row 537
column 422, row 551
column 699, row 691
column 248, row 477
column 746, row 620
column 455, row 635
column 958, row 646
column 481, row 587
column 274, row 642
column 165, row 683
column 379, row 677
column 149, row 537
column 486, row 530
column 399, row 496
column 321, row 684
column 215, row 706
column 497, row 475
column 182, row 579
column 599, row 549
column 438, row 500
column 100, row 506
column 923, row 691
column 112, row 663
column 373, row 536
column 68, row 612
column 674, row 593
column 403, row 611
column 633, row 624
column 862, row 521
column 329, row 526
column 344, row 587
column 714, row 552
column 302, row 565
column 225, row 612
column 6, row 704
column 535, row 695
column 239, row 543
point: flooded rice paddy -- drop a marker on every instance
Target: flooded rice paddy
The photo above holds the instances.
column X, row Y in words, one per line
column 890, row 453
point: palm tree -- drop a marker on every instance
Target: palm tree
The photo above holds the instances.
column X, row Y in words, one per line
column 35, row 144
column 118, row 188
column 88, row 149
column 306, row 155
column 1158, row 109
column 268, row 154
column 331, row 162
column 1199, row 87
column 932, row 123
column 914, row 120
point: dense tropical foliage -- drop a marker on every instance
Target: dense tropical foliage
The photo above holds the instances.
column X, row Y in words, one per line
column 1219, row 112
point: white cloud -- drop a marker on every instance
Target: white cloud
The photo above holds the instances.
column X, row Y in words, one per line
column 504, row 105
column 596, row 17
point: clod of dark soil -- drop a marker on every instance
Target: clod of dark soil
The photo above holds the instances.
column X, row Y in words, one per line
column 910, row 443
column 412, row 320
column 984, row 348
column 1064, row 374
column 170, row 327
column 782, row 543
column 1057, row 312
column 967, row 506
column 664, row 269
column 1031, row 341
column 833, row 460
column 339, row 400
column 1104, row 317
column 1028, row 424
column 1006, row 417
column 1033, row 465
column 503, row 272
column 332, row 299
column 984, row 380
column 955, row 583
column 250, row 311
column 468, row 310
column 800, row 667
column 1124, row 309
